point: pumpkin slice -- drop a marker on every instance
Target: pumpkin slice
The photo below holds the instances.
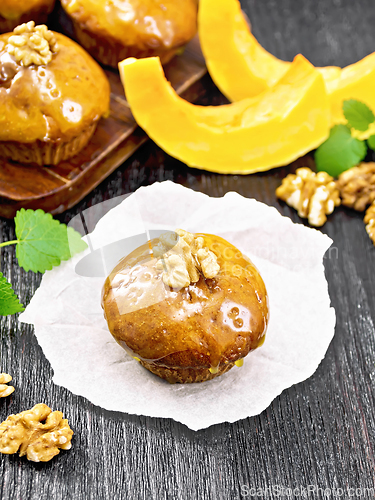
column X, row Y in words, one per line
column 269, row 130
column 241, row 67
column 237, row 63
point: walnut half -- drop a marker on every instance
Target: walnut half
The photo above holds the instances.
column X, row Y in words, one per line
column 32, row 44
column 183, row 258
column 357, row 186
column 38, row 433
column 369, row 220
column 313, row 195
column 5, row 390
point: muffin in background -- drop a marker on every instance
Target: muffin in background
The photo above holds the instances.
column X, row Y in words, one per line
column 114, row 30
column 15, row 12
column 52, row 95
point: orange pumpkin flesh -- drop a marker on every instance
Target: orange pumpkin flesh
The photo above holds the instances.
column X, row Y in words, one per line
column 241, row 67
column 255, row 134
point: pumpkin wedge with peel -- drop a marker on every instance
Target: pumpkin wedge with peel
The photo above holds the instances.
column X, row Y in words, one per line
column 237, row 63
column 241, row 67
column 259, row 133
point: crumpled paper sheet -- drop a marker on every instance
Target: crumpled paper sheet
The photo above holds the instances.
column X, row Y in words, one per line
column 73, row 334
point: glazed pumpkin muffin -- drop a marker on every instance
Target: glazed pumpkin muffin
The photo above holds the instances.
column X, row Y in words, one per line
column 15, row 12
column 52, row 95
column 186, row 306
column 114, row 30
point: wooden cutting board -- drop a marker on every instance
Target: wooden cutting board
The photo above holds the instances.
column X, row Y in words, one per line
column 56, row 189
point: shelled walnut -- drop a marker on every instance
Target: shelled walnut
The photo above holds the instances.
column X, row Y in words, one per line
column 32, row 44
column 313, row 195
column 26, row 433
column 5, row 390
column 357, row 186
column 183, row 256
column 369, row 220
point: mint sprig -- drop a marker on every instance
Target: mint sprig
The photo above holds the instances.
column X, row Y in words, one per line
column 42, row 242
column 358, row 114
column 339, row 152
column 9, row 302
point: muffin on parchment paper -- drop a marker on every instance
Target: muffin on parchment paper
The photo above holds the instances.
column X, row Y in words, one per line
column 186, row 306
column 52, row 95
column 15, row 12
column 114, row 30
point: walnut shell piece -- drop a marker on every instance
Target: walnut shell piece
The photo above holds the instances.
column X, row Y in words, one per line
column 369, row 220
column 357, row 186
column 5, row 390
column 313, row 195
column 38, row 433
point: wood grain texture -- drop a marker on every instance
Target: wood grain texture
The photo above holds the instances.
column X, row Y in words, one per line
column 320, row 432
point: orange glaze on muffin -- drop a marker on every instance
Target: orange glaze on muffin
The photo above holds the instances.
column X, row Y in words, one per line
column 192, row 334
column 114, row 30
column 15, row 12
column 51, row 107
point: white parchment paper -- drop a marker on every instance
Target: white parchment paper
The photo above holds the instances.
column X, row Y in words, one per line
column 73, row 334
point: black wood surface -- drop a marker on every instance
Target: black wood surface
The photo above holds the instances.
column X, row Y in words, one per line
column 318, row 434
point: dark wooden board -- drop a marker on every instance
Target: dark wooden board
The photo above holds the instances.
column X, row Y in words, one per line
column 58, row 188
column 319, row 433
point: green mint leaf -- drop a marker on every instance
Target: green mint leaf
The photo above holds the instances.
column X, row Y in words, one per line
column 371, row 142
column 358, row 114
column 339, row 152
column 9, row 303
column 44, row 242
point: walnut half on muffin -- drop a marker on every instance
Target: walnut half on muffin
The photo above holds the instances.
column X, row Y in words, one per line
column 52, row 95
column 186, row 306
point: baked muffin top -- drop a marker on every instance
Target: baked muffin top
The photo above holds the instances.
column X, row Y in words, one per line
column 13, row 9
column 51, row 101
column 143, row 23
column 205, row 324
